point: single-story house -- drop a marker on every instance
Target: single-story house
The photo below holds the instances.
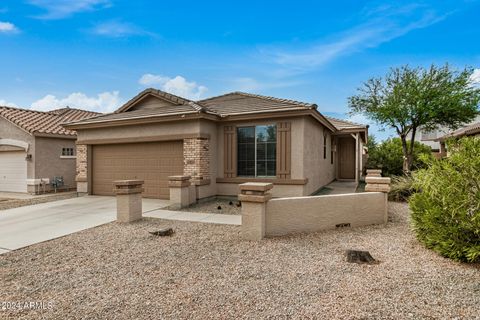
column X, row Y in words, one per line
column 220, row 142
column 470, row 130
column 35, row 148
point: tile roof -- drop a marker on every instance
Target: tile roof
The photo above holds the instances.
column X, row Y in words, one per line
column 162, row 94
column 471, row 129
column 243, row 103
column 235, row 103
column 138, row 114
column 48, row 122
column 344, row 124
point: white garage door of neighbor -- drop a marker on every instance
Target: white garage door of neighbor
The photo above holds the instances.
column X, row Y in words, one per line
column 13, row 171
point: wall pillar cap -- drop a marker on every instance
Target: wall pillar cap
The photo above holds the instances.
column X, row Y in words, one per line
column 179, row 178
column 128, row 182
column 256, row 186
column 378, row 180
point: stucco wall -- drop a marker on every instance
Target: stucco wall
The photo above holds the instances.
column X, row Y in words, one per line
column 318, row 170
column 310, row 214
column 11, row 131
column 139, row 132
column 49, row 164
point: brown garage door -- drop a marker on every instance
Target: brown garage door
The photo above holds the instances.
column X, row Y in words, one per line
column 152, row 162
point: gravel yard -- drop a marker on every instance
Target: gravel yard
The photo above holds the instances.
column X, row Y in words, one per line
column 10, row 203
column 212, row 206
column 205, row 271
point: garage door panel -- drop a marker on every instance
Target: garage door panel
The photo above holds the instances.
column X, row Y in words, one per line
column 13, row 171
column 152, row 162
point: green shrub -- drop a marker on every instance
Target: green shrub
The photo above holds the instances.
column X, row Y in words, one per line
column 446, row 210
column 388, row 156
column 401, row 188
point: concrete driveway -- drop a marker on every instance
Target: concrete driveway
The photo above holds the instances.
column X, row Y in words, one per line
column 21, row 227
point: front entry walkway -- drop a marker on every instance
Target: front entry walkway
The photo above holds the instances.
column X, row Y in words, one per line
column 338, row 187
column 196, row 217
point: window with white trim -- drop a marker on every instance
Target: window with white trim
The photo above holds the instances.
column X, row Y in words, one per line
column 68, row 152
column 257, row 151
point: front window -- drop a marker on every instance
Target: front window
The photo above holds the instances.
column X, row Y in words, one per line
column 257, row 151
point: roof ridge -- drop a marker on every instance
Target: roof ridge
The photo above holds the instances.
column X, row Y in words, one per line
column 23, row 109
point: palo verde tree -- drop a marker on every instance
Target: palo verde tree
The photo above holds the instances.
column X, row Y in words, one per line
column 409, row 98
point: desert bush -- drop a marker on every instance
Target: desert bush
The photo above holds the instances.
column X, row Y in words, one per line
column 401, row 188
column 388, row 156
column 446, row 209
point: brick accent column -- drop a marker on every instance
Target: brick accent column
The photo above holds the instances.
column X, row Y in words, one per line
column 377, row 183
column 254, row 197
column 196, row 158
column 180, row 189
column 81, row 170
column 129, row 200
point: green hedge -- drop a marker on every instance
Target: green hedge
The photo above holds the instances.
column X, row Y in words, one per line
column 446, row 210
column 388, row 156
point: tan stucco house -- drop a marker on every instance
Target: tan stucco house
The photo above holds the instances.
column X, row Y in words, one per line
column 220, row 142
column 470, row 130
column 35, row 148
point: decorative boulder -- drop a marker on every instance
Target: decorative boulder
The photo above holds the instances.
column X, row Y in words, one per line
column 162, row 232
column 355, row 256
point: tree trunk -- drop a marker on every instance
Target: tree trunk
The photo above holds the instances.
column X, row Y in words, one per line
column 406, row 167
column 410, row 151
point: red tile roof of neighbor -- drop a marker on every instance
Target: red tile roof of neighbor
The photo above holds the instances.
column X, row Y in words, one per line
column 230, row 104
column 48, row 122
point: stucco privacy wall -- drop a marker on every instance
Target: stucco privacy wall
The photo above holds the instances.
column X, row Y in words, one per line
column 11, row 131
column 49, row 163
column 318, row 170
column 310, row 214
column 297, row 167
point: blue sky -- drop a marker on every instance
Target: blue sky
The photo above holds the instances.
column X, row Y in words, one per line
column 97, row 54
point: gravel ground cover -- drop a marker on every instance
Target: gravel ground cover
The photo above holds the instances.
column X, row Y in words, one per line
column 212, row 206
column 206, row 271
column 9, row 203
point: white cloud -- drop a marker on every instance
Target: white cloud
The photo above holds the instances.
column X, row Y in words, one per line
column 178, row 85
column 59, row 9
column 5, row 103
column 103, row 102
column 7, row 27
column 475, row 77
column 117, row 29
column 380, row 26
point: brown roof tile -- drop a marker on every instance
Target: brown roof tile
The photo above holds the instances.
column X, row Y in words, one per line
column 48, row 122
column 244, row 103
column 344, row 124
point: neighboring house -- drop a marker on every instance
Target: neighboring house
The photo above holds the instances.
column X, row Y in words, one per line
column 34, row 146
column 432, row 138
column 468, row 131
column 221, row 142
